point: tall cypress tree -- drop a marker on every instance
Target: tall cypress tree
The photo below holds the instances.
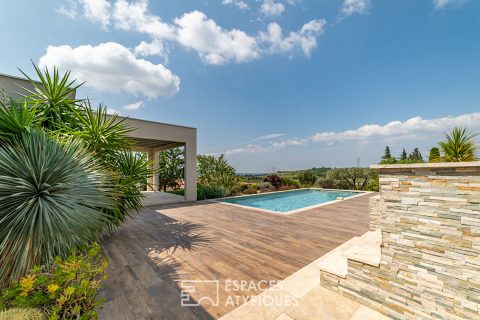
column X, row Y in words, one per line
column 387, row 155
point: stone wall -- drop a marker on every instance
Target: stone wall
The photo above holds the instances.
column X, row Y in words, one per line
column 430, row 262
column 375, row 213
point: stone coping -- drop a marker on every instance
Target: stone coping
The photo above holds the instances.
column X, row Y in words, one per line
column 427, row 165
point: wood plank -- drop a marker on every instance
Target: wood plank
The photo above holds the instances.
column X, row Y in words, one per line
column 205, row 240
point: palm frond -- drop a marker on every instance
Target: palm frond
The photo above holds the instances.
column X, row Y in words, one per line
column 54, row 96
column 459, row 146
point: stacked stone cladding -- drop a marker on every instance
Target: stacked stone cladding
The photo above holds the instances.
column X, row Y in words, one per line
column 430, row 262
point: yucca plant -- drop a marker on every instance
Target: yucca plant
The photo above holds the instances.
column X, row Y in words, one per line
column 101, row 133
column 52, row 198
column 54, row 96
column 16, row 119
column 459, row 146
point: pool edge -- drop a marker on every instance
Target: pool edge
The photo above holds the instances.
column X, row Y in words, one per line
column 360, row 193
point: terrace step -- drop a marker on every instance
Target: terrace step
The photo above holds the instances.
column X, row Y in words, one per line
column 365, row 249
column 335, row 262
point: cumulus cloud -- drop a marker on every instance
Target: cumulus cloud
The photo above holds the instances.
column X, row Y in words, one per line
column 133, row 106
column 442, row 4
column 305, row 38
column 153, row 48
column 112, row 67
column 350, row 7
column 272, row 8
column 240, row 4
column 196, row 31
column 134, row 16
column 413, row 127
column 213, row 44
column 97, row 11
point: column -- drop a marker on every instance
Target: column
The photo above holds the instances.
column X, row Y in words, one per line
column 190, row 174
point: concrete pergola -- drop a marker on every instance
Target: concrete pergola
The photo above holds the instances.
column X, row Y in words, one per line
column 154, row 137
column 149, row 136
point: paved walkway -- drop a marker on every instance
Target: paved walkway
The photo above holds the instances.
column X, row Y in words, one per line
column 300, row 297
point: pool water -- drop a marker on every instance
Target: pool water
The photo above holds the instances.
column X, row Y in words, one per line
column 289, row 200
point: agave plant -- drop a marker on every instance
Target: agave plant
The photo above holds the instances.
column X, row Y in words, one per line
column 52, row 198
column 459, row 146
column 54, row 96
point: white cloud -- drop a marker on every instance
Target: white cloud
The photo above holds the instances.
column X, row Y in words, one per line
column 111, row 67
column 442, row 4
column 134, row 16
column 305, row 38
column 240, row 4
column 133, row 106
column 414, row 128
column 113, row 111
column 69, row 10
column 97, row 11
column 268, row 137
column 350, row 7
column 272, row 8
column 214, row 44
column 195, row 31
column 153, row 48
column 259, row 148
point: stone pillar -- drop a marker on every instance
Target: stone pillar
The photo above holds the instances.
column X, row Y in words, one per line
column 375, row 212
column 190, row 174
column 153, row 180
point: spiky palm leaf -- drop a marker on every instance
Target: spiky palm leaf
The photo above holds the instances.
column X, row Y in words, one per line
column 16, row 119
column 52, row 197
column 101, row 133
column 133, row 170
column 54, row 97
column 459, row 146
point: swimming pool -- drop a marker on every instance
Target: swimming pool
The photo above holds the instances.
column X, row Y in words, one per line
column 290, row 201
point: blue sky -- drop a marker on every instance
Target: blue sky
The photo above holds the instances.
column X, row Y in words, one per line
column 284, row 84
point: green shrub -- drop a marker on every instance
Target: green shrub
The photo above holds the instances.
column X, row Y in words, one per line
column 295, row 184
column 307, row 177
column 22, row 314
column 209, row 192
column 266, row 186
column 66, row 289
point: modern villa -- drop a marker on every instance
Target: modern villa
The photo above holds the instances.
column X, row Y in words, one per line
column 409, row 251
column 149, row 137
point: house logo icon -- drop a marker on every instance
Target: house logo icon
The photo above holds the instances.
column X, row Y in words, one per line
column 191, row 297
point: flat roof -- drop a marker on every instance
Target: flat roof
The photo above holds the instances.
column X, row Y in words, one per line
column 17, row 77
column 156, row 122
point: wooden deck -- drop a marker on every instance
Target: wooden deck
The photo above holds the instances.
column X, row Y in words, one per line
column 151, row 255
